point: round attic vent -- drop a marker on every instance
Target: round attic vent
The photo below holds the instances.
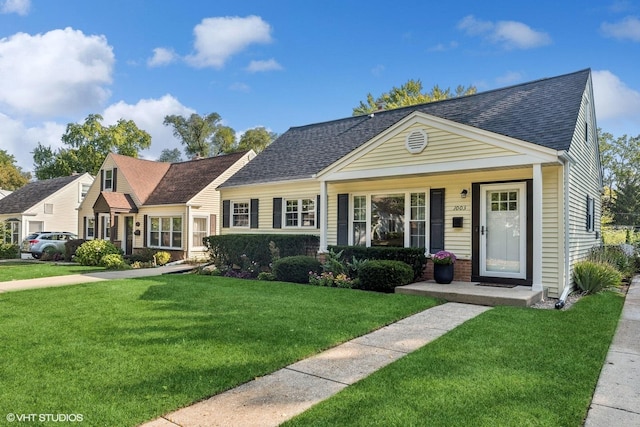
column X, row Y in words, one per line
column 416, row 141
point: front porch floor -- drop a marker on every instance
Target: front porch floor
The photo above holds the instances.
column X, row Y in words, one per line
column 474, row 293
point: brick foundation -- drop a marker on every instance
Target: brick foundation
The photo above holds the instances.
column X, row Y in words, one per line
column 461, row 271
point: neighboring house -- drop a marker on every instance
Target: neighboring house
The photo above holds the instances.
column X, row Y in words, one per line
column 4, row 193
column 509, row 180
column 48, row 205
column 145, row 204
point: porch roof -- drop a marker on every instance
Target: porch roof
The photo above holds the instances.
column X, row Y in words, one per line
column 114, row 202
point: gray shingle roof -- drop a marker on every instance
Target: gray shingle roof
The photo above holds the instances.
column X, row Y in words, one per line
column 542, row 112
column 33, row 193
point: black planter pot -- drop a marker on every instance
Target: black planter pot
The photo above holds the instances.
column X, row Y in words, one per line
column 443, row 273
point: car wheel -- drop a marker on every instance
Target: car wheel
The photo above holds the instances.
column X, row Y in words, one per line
column 36, row 255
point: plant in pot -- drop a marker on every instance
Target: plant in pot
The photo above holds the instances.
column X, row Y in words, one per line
column 443, row 266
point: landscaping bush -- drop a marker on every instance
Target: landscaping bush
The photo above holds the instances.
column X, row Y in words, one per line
column 414, row 257
column 70, row 248
column 92, row 251
column 615, row 256
column 162, row 257
column 295, row 268
column 260, row 249
column 114, row 262
column 592, row 277
column 9, row 251
column 51, row 253
column 384, row 275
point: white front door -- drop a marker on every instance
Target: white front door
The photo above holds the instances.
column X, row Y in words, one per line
column 503, row 230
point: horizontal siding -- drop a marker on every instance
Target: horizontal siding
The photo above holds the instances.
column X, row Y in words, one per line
column 442, row 147
column 552, row 230
column 265, row 195
column 457, row 240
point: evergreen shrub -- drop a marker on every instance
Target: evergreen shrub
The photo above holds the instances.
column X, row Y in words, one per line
column 384, row 275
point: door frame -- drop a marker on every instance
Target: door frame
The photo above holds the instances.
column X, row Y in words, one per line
column 128, row 234
column 475, row 235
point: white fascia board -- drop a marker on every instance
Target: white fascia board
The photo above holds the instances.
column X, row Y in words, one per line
column 457, row 166
column 497, row 140
column 270, row 183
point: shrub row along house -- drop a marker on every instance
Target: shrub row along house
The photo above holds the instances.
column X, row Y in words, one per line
column 509, row 180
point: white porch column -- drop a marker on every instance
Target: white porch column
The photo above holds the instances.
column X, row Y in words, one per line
column 323, row 216
column 537, row 228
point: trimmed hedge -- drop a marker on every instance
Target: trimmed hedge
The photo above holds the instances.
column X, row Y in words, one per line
column 230, row 249
column 414, row 257
column 295, row 268
column 384, row 275
column 9, row 251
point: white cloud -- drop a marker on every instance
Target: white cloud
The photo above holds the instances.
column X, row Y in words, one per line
column 240, row 87
column 20, row 140
column 218, row 39
column 508, row 34
column 162, row 56
column 617, row 105
column 21, row 7
column 148, row 115
column 267, row 65
column 54, row 74
column 628, row 28
column 442, row 47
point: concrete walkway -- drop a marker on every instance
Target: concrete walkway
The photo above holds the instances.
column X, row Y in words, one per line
column 616, row 401
column 275, row 398
column 74, row 279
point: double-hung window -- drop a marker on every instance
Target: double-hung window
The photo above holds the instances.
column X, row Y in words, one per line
column 240, row 214
column 199, row 231
column 300, row 213
column 90, row 229
column 165, row 232
column 107, row 184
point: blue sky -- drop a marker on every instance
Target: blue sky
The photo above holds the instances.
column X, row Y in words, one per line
column 280, row 64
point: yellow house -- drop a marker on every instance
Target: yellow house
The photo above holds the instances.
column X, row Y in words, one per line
column 509, row 180
column 141, row 204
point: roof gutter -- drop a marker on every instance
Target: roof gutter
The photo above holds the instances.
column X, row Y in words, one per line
column 566, row 160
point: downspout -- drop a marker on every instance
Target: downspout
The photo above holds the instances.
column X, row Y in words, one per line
column 566, row 161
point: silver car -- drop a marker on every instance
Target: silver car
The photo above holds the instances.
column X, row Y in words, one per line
column 37, row 243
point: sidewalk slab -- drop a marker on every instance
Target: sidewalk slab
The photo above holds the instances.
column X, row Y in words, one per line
column 275, row 398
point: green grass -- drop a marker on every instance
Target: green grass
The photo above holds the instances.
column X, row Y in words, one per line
column 20, row 270
column 122, row 352
column 507, row 367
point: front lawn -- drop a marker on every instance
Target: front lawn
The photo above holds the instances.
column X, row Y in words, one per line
column 507, row 367
column 123, row 352
column 20, row 270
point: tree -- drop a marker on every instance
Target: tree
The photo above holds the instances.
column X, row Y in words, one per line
column 199, row 134
column 619, row 158
column 87, row 145
column 256, row 139
column 409, row 93
column 11, row 175
column 171, row 156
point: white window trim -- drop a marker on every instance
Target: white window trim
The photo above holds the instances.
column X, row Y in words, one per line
column 232, row 209
column 80, row 186
column 86, row 229
column 159, row 246
column 105, row 226
column 407, row 209
column 104, row 181
column 299, row 212
column 207, row 227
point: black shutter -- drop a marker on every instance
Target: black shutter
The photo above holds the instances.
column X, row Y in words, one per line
column 226, row 213
column 253, row 213
column 343, row 219
column 436, row 227
column 144, row 230
column 84, row 227
column 114, row 180
column 101, row 183
column 318, row 211
column 277, row 212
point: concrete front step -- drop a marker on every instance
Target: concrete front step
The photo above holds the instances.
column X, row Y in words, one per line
column 474, row 293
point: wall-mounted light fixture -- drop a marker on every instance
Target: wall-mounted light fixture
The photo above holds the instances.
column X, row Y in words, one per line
column 463, row 193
